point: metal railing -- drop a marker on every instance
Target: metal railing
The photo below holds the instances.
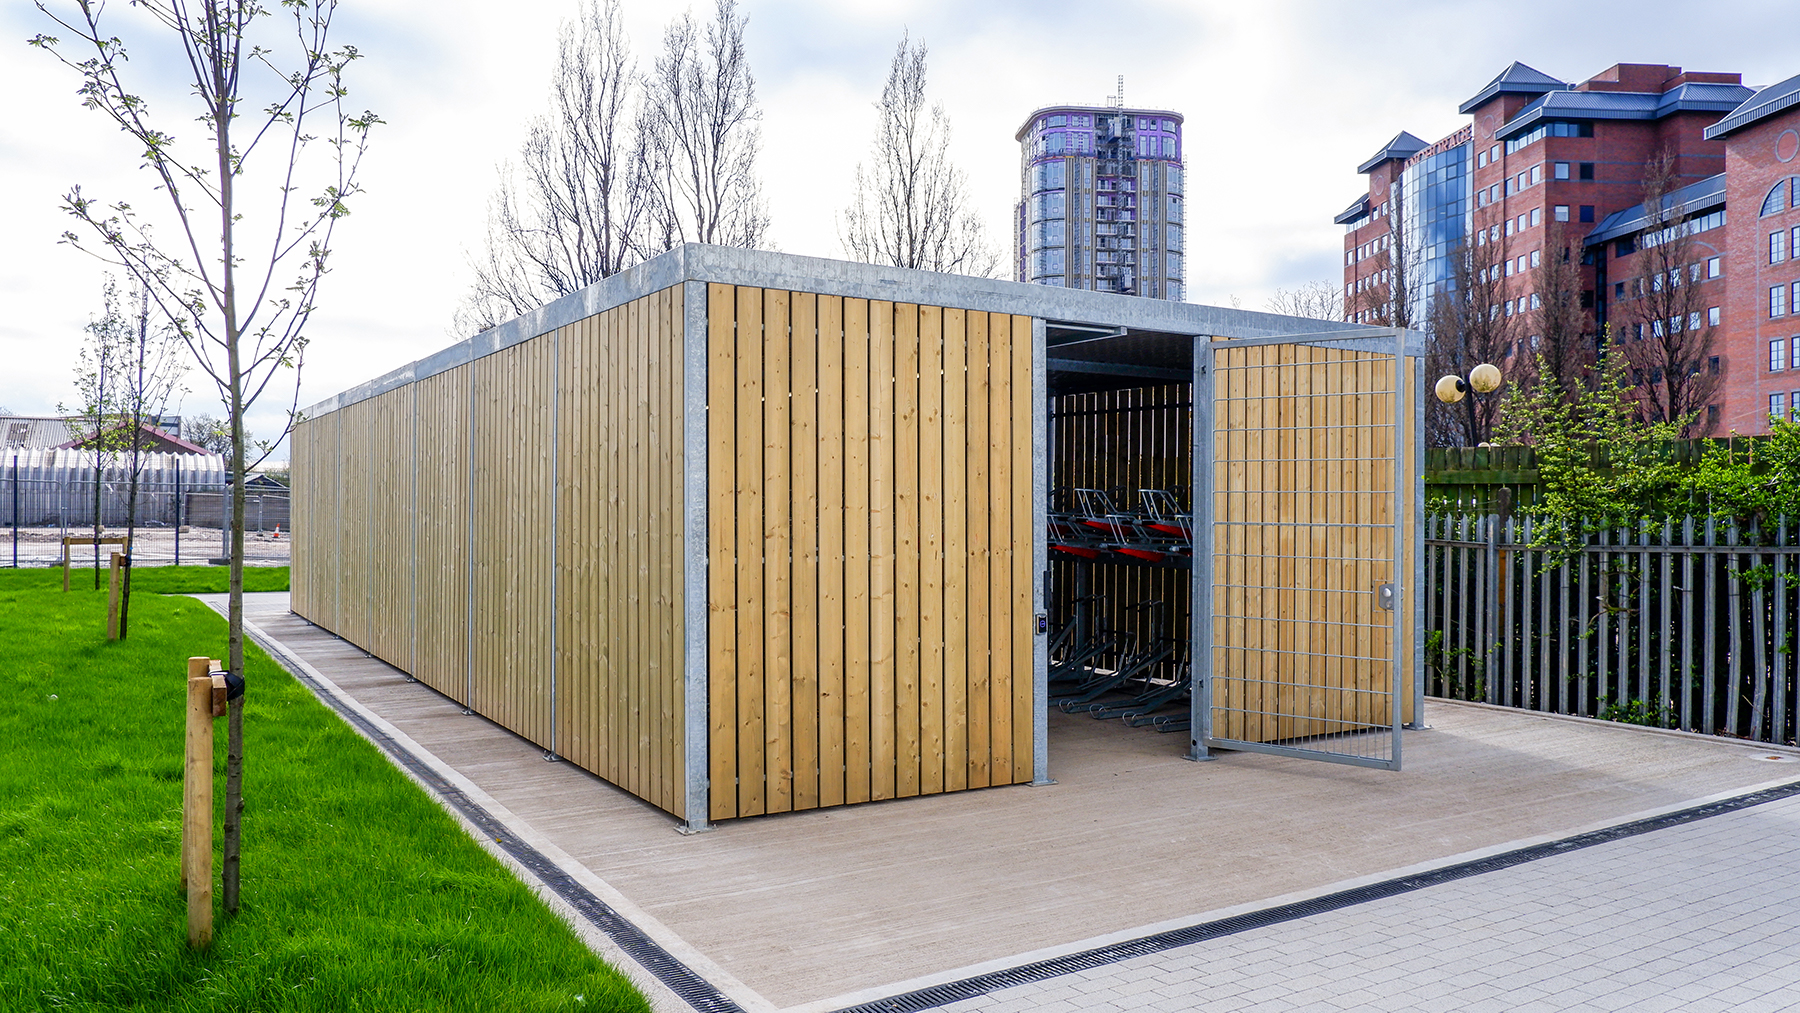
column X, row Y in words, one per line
column 1685, row 624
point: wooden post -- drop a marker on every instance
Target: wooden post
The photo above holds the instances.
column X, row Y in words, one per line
column 196, row 823
column 112, row 600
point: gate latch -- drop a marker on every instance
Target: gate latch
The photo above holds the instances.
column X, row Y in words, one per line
column 1386, row 595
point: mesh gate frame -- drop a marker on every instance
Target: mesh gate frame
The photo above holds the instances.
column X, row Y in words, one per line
column 1206, row 352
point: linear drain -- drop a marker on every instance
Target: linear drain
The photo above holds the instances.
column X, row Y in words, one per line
column 681, row 979
column 1025, row 974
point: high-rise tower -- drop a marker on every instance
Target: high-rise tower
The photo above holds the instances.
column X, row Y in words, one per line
column 1101, row 200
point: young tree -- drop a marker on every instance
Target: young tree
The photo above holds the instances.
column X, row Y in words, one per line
column 911, row 207
column 99, row 367
column 1671, row 338
column 699, row 132
column 216, row 275
column 154, row 366
column 1565, row 352
column 1315, row 300
column 1468, row 326
column 570, row 214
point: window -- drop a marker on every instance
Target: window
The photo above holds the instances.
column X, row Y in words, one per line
column 1794, row 351
column 1587, row 170
column 1509, row 307
column 1493, row 193
column 1537, row 174
column 1560, row 129
column 1713, row 267
column 1481, row 160
column 1561, row 171
column 1777, row 405
column 1521, row 223
column 1618, row 290
column 1058, row 120
column 1794, row 239
column 1624, row 247
column 1777, row 355
column 1795, row 301
column 1510, row 188
column 1519, row 182
column 1777, row 247
column 1560, row 212
column 1587, row 212
column 1494, row 153
column 1693, row 272
column 1509, row 226
column 1712, row 416
column 1694, row 321
column 1778, row 301
column 1537, row 217
column 1777, row 200
column 1481, row 199
column 1535, row 302
column 1712, row 365
column 1481, row 238
column 1536, row 257
column 1712, row 316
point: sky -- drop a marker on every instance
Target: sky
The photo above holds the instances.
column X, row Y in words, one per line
column 1282, row 100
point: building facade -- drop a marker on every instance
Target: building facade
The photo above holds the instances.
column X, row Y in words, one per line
column 1549, row 171
column 1101, row 194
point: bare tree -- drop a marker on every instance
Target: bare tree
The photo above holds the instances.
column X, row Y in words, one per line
column 99, row 368
column 1671, row 338
column 1565, row 334
column 219, row 282
column 911, row 207
column 700, row 133
column 1469, row 325
column 568, row 214
column 1315, row 300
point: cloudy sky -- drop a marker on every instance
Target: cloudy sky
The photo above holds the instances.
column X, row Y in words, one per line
column 1282, row 101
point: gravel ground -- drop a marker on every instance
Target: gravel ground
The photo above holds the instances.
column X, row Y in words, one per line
column 155, row 546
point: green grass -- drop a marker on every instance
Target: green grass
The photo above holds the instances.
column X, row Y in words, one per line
column 359, row 892
column 153, row 579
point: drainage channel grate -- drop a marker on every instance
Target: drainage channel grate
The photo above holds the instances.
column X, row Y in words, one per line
column 1025, row 974
column 691, row 987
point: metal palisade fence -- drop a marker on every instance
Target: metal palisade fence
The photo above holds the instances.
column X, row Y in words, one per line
column 1686, row 624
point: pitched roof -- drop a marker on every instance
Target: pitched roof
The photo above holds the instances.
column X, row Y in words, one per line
column 1695, row 197
column 154, row 440
column 1516, row 79
column 29, row 432
column 1403, row 147
column 1359, row 209
column 1758, row 107
column 1625, row 105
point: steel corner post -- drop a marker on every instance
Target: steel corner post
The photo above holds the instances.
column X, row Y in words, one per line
column 1200, row 650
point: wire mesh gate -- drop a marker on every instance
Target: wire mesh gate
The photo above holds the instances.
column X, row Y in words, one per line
column 1303, row 440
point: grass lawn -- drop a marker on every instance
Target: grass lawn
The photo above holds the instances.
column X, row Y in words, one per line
column 359, row 892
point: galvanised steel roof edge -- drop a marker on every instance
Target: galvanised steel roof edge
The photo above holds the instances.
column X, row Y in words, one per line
column 1699, row 196
column 1758, row 107
column 765, row 269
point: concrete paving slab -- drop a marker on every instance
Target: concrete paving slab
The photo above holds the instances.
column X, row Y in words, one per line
column 815, row 909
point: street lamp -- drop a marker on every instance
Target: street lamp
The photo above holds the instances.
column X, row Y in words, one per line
column 1483, row 379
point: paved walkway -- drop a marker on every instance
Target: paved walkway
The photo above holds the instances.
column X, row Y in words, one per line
column 949, row 901
column 1699, row 918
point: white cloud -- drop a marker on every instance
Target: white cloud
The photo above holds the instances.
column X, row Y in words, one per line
column 1282, row 101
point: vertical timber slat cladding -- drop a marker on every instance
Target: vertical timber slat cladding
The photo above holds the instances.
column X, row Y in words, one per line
column 597, row 407
column 844, row 588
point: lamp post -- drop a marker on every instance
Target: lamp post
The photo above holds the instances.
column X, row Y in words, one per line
column 1483, row 379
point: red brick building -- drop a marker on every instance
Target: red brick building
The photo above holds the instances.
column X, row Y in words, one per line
column 1761, row 334
column 1540, row 153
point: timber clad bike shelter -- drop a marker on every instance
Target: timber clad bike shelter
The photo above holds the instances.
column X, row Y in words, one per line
column 747, row 533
